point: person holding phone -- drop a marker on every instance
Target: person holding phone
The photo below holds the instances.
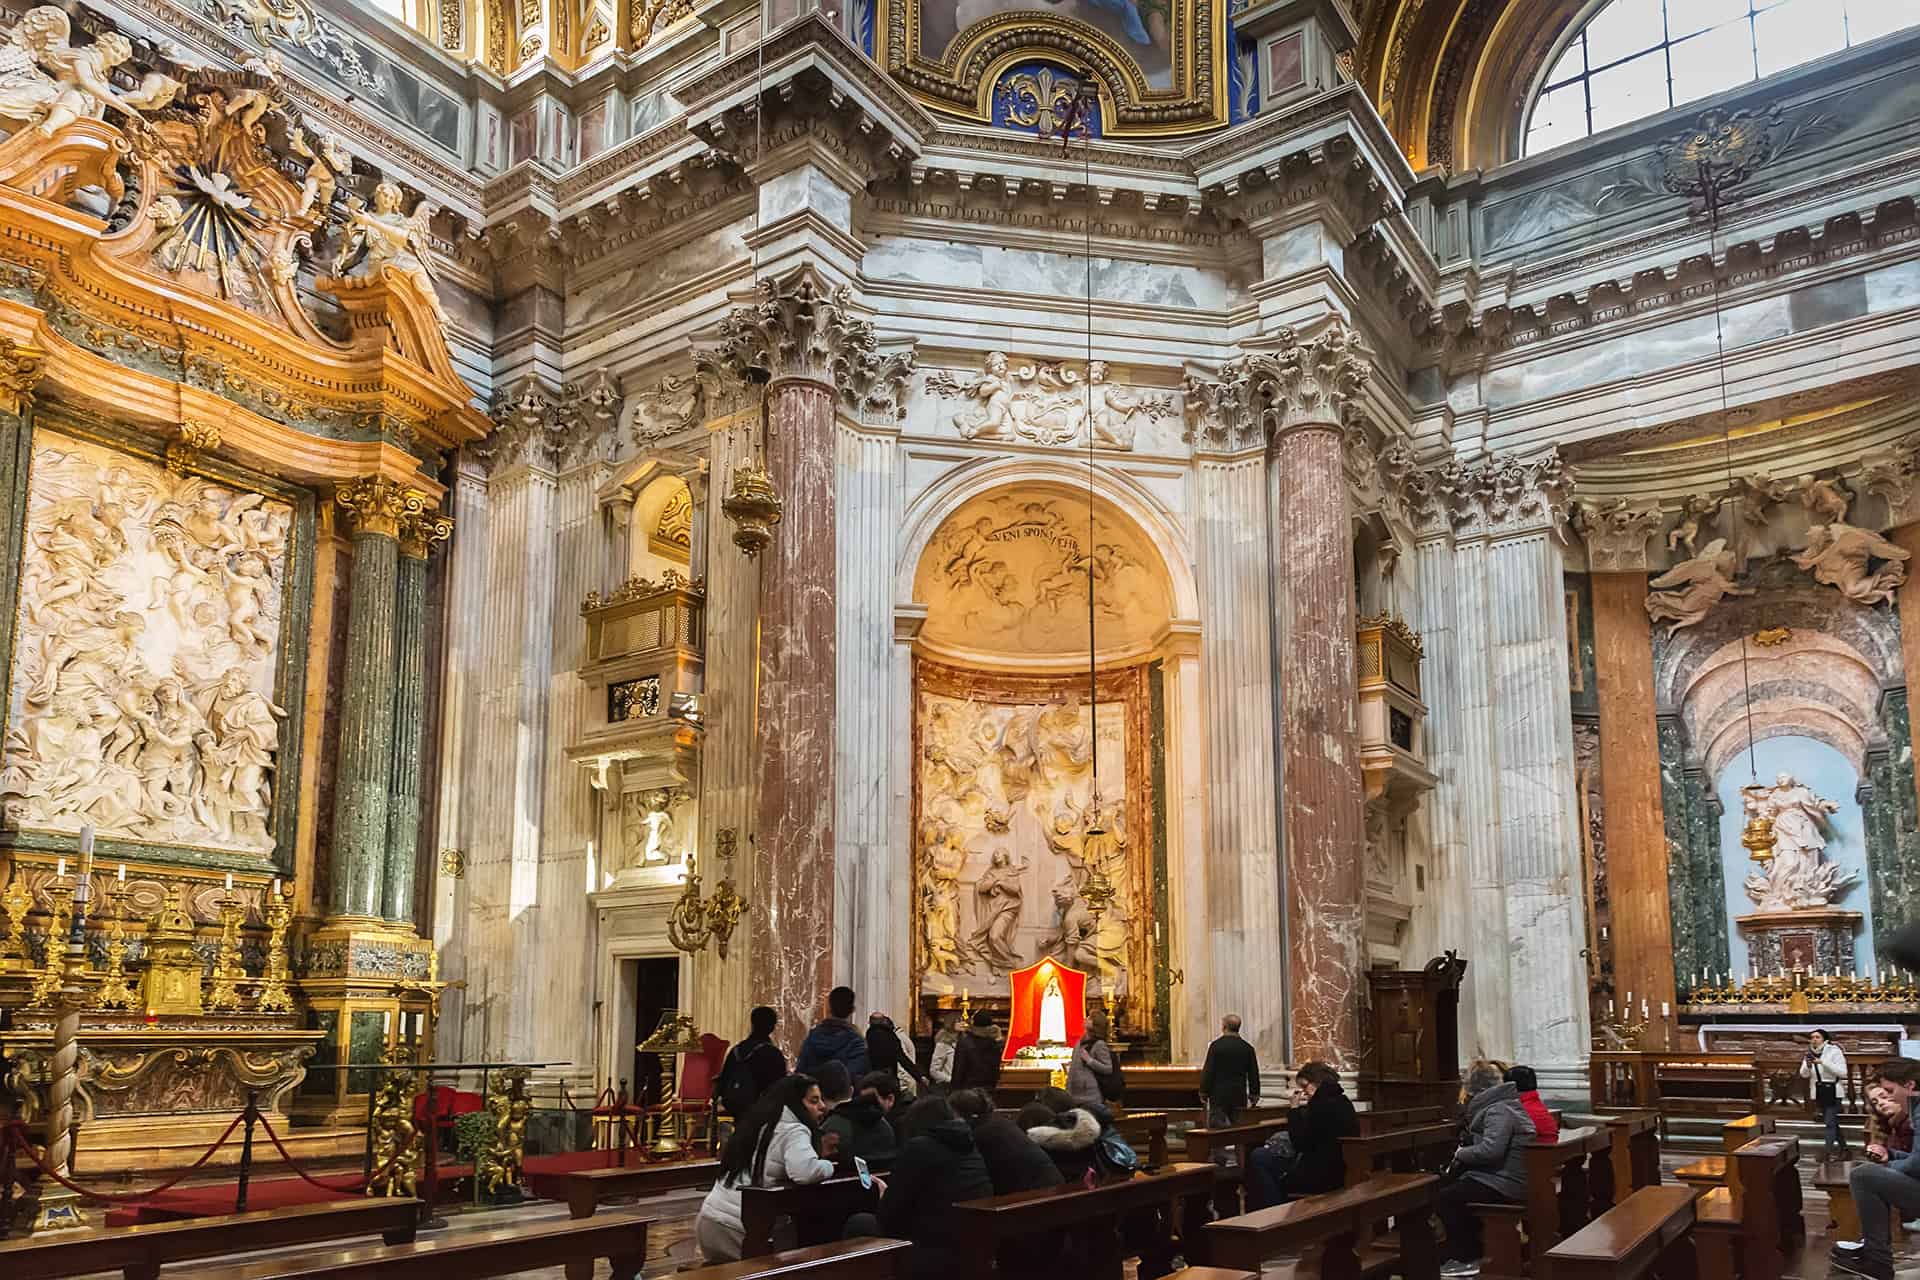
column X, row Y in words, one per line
column 774, row 1144
column 1825, row 1066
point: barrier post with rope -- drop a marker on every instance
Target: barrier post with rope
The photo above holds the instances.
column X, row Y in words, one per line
column 249, row 1118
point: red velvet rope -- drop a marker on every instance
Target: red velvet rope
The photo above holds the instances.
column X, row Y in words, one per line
column 16, row 1135
column 294, row 1165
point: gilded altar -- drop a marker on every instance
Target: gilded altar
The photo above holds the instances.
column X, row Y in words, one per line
column 225, row 403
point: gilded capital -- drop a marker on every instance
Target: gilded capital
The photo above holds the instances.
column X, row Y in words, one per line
column 20, row 368
column 378, row 505
column 1305, row 382
column 421, row 531
column 799, row 329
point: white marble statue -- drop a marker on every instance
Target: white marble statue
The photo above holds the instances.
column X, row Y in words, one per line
column 1798, row 878
column 1688, row 592
column 1842, row 556
column 48, row 83
column 380, row 238
column 1050, row 404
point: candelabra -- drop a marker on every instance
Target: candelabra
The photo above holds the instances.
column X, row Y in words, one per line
column 227, row 972
column 47, row 984
column 114, row 993
column 274, row 995
column 15, row 902
column 694, row 920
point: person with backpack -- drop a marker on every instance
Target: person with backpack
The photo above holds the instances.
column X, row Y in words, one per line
column 1093, row 1073
column 753, row 1066
column 835, row 1039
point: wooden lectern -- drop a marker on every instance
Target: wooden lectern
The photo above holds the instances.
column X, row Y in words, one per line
column 1416, row 1035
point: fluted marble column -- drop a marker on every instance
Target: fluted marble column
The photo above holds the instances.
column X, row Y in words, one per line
column 418, row 534
column 364, row 768
column 1305, row 388
column 1242, row 841
column 800, row 331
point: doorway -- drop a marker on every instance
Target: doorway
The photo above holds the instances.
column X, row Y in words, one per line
column 656, row 989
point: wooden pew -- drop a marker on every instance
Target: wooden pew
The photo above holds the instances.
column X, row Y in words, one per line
column 1146, row 1133
column 1418, row 1150
column 1749, row 1228
column 1559, row 1202
column 1372, row 1122
column 140, row 1251
column 1176, row 1196
column 1636, row 1150
column 832, row 1201
column 1709, row 1172
column 1650, row 1228
column 585, row 1190
column 865, row 1259
column 1204, row 1144
column 618, row 1237
column 1340, row 1224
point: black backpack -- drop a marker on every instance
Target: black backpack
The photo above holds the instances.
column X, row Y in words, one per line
column 738, row 1089
column 1113, row 1085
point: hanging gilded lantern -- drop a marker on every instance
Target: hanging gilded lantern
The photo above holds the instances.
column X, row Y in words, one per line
column 754, row 506
column 1757, row 839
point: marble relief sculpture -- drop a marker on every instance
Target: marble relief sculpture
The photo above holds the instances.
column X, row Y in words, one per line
column 1049, row 404
column 1688, row 592
column 1798, row 878
column 144, row 659
column 1697, row 510
column 1843, row 557
column 45, row 81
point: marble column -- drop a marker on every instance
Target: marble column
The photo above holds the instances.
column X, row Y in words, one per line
column 801, row 331
column 1907, row 538
column 22, row 367
column 1306, row 387
column 418, row 534
column 364, row 765
column 1241, row 908
column 1637, row 882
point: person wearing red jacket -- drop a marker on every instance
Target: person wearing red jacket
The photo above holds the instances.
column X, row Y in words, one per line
column 1546, row 1128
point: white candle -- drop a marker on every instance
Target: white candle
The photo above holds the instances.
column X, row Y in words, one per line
column 229, row 882
column 1609, row 1006
column 61, row 871
column 1643, row 1006
column 1664, row 1012
column 1629, row 1002
column 276, row 886
column 121, row 875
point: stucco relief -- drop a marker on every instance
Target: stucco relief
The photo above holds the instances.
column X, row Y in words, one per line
column 144, row 658
column 1006, row 796
column 1010, row 575
column 1049, row 404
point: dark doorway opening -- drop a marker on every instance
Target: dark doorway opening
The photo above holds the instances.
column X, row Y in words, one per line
column 656, row 991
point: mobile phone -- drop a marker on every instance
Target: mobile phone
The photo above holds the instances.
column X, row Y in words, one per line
column 860, row 1167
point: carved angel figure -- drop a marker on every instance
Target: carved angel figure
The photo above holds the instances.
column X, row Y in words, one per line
column 1688, row 592
column 329, row 163
column 236, row 754
column 269, row 20
column 382, row 238
column 1840, row 555
column 1826, row 500
column 1695, row 511
column 1113, row 409
column 49, row 83
column 992, row 416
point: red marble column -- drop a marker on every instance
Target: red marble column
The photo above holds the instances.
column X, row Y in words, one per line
column 1323, row 826
column 792, row 966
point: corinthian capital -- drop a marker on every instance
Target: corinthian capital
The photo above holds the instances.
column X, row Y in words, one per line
column 1616, row 533
column 1306, row 382
column 420, row 531
column 799, row 329
column 874, row 388
column 378, row 505
column 20, row 369
column 1220, row 412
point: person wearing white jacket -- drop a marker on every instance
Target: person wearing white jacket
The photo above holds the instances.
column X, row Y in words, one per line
column 1826, row 1067
column 773, row 1145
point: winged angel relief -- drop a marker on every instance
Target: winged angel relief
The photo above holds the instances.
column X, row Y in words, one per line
column 1049, row 404
column 49, row 84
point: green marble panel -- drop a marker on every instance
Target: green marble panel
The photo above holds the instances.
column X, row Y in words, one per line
column 364, row 767
column 16, row 452
column 366, row 1046
column 321, row 1081
column 1582, row 679
column 1696, row 879
column 409, row 718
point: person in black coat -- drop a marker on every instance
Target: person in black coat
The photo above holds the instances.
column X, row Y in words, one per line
column 1230, row 1080
column 1014, row 1161
column 1322, row 1114
column 976, row 1058
column 938, row 1167
column 757, row 1061
column 885, row 1053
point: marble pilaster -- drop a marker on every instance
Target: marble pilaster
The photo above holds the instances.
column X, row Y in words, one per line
column 1304, row 388
column 16, row 449
column 364, row 765
column 417, row 536
column 1907, row 538
column 1630, row 786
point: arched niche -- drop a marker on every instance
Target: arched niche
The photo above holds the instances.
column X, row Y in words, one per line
column 660, row 532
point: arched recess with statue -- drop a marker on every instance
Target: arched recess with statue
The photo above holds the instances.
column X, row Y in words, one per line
column 1034, row 717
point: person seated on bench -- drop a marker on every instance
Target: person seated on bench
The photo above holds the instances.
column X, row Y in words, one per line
column 1014, row 1161
column 773, row 1145
column 1489, row 1167
column 1545, row 1127
column 1889, row 1132
column 861, row 1123
column 1079, row 1138
column 938, row 1167
column 1877, row 1188
column 1320, row 1115
column 836, row 1088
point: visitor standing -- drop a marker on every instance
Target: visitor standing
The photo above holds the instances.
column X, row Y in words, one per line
column 1090, row 1072
column 835, row 1039
column 976, row 1055
column 1825, row 1068
column 1230, row 1080
column 753, row 1066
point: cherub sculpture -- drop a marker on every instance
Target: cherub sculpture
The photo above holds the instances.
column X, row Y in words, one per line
column 47, row 82
column 381, row 238
column 1696, row 510
column 329, row 164
column 1686, row 593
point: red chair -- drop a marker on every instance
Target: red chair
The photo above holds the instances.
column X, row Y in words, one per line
column 445, row 1105
column 699, row 1072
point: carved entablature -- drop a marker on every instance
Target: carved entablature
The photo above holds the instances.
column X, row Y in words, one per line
column 158, row 246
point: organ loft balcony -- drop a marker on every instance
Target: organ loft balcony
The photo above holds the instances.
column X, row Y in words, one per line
column 642, row 677
column 1393, row 751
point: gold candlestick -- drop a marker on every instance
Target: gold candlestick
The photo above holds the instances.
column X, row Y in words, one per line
column 14, row 904
column 114, row 992
column 274, row 995
column 47, row 984
column 226, row 965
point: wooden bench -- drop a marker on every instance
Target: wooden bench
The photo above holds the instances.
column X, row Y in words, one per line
column 1650, row 1228
column 1709, row 1172
column 1372, row 1122
column 140, row 1251
column 619, row 1238
column 585, row 1190
column 1175, row 1196
column 1843, row 1216
column 831, row 1203
column 1339, row 1224
column 1749, row 1227
column 1636, row 1150
column 1559, row 1201
column 1146, row 1133
column 1424, row 1149
column 865, row 1259
column 1203, row 1145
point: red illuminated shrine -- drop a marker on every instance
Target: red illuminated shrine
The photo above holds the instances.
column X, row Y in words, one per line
column 1049, row 1007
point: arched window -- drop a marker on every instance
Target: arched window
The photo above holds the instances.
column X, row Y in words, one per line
column 1636, row 58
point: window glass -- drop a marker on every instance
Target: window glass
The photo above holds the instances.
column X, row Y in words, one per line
column 1637, row 58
